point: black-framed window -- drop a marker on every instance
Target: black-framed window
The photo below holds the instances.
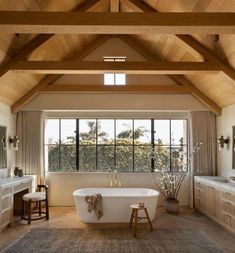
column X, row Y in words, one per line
column 122, row 144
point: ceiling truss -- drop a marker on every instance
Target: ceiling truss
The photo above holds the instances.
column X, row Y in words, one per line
column 173, row 69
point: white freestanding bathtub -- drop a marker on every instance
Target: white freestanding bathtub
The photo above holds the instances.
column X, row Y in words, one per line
column 116, row 203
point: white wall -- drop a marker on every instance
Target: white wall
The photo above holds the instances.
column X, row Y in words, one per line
column 224, row 127
column 96, row 102
column 8, row 120
column 62, row 185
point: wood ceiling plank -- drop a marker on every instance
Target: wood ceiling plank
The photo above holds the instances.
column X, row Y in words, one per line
column 49, row 79
column 207, row 54
column 198, row 94
column 24, row 52
column 161, row 89
column 180, row 79
column 89, row 67
column 114, row 5
column 187, row 39
column 42, row 38
column 116, row 23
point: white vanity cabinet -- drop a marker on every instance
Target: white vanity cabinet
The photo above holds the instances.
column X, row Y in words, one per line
column 9, row 187
column 216, row 200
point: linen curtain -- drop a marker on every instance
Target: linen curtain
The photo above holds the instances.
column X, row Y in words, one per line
column 29, row 157
column 203, row 129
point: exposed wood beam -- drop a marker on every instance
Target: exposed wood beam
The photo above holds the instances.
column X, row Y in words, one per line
column 163, row 89
column 137, row 5
column 141, row 6
column 20, row 103
column 116, row 23
column 42, row 38
column 90, row 6
column 207, row 54
column 24, row 52
column 180, row 79
column 89, row 67
column 200, row 96
column 114, row 5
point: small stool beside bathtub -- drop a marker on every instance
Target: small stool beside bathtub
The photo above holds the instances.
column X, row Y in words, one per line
column 134, row 216
column 35, row 197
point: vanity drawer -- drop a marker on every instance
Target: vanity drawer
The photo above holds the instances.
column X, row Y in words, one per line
column 198, row 193
column 229, row 196
column 198, row 204
column 6, row 202
column 22, row 186
column 6, row 217
column 229, row 221
column 6, row 190
column 198, row 185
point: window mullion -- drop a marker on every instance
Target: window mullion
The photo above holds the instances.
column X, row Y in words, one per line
column 170, row 145
column 96, row 145
column 77, row 144
column 133, row 146
column 59, row 144
column 152, row 143
column 115, row 144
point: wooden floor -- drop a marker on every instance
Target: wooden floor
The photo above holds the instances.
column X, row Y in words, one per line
column 65, row 217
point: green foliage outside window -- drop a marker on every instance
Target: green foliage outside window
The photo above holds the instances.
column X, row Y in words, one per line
column 125, row 149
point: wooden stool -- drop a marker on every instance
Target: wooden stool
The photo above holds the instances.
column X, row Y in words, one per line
column 37, row 197
column 134, row 216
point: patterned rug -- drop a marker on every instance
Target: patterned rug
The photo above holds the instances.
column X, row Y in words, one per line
column 113, row 241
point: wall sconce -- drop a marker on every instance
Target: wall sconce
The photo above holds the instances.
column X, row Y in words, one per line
column 221, row 141
column 4, row 143
column 15, row 141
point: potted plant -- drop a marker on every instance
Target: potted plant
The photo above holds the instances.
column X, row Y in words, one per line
column 168, row 181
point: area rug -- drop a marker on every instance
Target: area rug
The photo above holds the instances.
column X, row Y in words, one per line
column 113, row 241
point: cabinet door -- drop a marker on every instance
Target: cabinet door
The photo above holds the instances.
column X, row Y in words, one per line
column 210, row 200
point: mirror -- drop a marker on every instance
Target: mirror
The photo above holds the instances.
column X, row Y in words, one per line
column 3, row 147
column 233, row 147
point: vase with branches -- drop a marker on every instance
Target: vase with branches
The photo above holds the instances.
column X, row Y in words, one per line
column 169, row 182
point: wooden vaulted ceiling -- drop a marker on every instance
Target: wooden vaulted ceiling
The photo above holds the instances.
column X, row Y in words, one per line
column 198, row 63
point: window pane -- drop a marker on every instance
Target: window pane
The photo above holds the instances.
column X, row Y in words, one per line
column 52, row 157
column 124, row 132
column 87, row 131
column 120, row 79
column 142, row 159
column 178, row 158
column 68, row 157
column 162, row 132
column 87, row 158
column 124, row 158
column 105, row 158
column 105, row 131
column 142, row 132
column 109, row 79
column 68, row 131
column 162, row 158
column 178, row 132
column 52, row 131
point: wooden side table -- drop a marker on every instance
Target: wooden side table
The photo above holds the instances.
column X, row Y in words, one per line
column 134, row 216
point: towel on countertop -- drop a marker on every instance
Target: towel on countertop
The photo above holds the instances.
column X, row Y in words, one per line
column 95, row 203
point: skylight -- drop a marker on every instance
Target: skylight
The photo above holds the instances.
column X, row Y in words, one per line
column 114, row 78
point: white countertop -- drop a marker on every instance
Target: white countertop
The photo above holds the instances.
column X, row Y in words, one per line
column 8, row 180
column 220, row 182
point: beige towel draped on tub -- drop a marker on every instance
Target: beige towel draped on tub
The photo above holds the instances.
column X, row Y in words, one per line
column 95, row 203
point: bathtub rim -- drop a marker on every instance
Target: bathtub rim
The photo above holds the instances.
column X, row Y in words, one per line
column 157, row 193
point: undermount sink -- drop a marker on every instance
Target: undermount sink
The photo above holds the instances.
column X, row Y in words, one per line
column 225, row 181
column 221, row 180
